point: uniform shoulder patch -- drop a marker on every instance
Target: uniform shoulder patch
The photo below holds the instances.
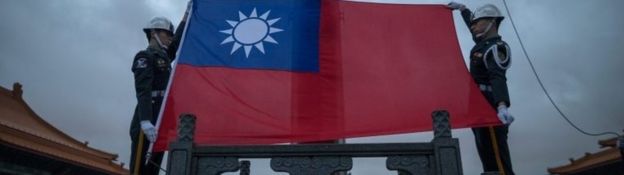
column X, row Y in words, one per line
column 477, row 54
column 140, row 63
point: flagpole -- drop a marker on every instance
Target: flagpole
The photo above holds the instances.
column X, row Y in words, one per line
column 499, row 162
column 137, row 157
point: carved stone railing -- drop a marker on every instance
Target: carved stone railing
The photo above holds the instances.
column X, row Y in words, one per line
column 438, row 157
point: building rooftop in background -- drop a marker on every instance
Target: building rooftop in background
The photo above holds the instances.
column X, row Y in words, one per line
column 30, row 145
column 607, row 161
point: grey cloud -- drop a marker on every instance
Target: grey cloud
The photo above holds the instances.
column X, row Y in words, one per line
column 74, row 58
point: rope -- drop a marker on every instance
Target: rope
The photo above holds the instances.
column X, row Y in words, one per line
column 154, row 163
column 542, row 84
column 138, row 161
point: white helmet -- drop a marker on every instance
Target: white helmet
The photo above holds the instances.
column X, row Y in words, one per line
column 487, row 11
column 160, row 23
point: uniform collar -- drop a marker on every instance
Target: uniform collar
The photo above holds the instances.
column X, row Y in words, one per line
column 155, row 49
column 492, row 39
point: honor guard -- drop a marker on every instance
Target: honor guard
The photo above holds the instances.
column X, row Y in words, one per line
column 490, row 59
column 151, row 68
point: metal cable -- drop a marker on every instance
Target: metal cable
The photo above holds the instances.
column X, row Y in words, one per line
column 542, row 85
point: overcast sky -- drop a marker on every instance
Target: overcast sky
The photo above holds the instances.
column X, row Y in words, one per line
column 74, row 57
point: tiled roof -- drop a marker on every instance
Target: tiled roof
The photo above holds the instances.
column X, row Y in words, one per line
column 21, row 127
column 608, row 155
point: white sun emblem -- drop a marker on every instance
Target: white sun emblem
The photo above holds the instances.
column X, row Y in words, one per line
column 250, row 31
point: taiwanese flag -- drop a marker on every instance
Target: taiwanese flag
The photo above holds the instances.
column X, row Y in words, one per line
column 277, row 71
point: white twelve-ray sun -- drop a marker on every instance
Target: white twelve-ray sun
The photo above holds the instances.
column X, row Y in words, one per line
column 251, row 31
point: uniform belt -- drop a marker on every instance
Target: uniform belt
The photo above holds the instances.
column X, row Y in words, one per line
column 484, row 87
column 160, row 93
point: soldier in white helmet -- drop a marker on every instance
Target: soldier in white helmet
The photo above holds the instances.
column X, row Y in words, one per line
column 489, row 60
column 151, row 68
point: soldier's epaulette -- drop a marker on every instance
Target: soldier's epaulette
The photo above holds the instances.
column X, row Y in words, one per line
column 143, row 54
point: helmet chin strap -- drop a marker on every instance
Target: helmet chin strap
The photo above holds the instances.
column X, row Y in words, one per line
column 163, row 46
column 487, row 29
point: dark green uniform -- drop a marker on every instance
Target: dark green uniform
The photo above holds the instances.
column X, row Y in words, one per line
column 489, row 60
column 151, row 68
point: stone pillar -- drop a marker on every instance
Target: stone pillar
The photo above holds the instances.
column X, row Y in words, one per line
column 180, row 152
column 446, row 148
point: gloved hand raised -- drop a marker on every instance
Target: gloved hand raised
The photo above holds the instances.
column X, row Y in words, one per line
column 504, row 115
column 149, row 130
column 456, row 6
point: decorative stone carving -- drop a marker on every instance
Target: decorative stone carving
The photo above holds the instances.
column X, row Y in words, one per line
column 186, row 128
column 441, row 124
column 414, row 165
column 321, row 165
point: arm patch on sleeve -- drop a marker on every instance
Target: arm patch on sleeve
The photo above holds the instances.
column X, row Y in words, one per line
column 140, row 63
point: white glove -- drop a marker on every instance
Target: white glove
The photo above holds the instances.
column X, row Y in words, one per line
column 504, row 116
column 456, row 6
column 149, row 130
